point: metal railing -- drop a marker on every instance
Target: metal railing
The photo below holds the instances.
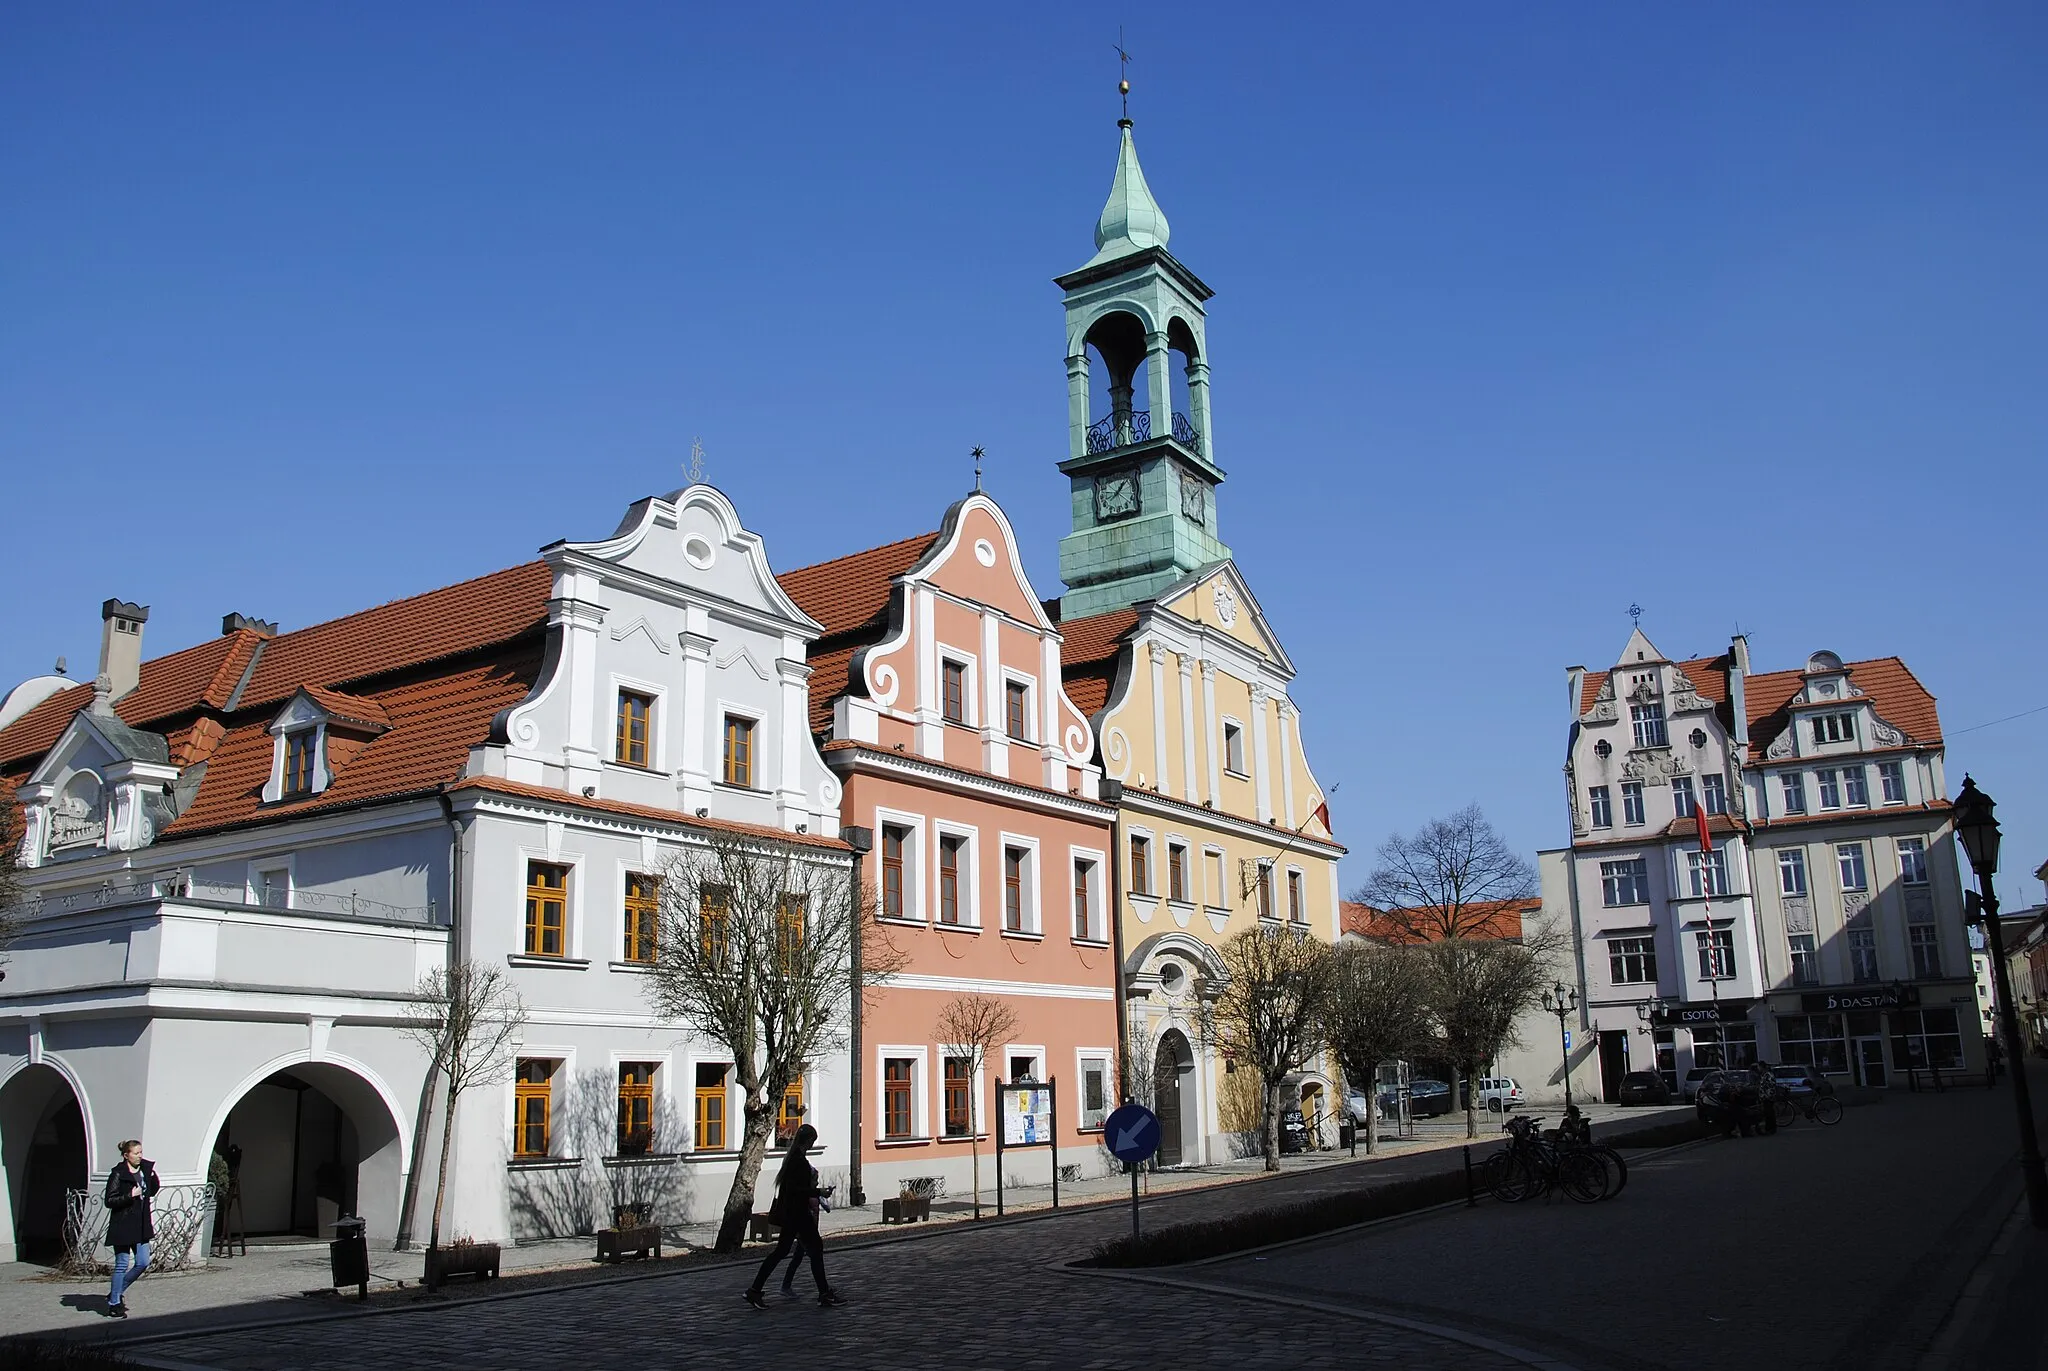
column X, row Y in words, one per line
column 1126, row 429
column 108, row 894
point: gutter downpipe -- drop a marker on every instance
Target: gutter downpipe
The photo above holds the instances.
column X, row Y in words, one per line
column 862, row 841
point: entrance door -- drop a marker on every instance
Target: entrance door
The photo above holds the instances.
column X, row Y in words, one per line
column 1869, row 1057
column 1613, row 1063
column 1166, row 1102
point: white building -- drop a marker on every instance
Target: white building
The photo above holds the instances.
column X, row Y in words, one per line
column 243, row 856
column 1825, row 923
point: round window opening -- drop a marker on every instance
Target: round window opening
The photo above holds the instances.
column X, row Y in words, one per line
column 1171, row 977
column 1699, row 737
column 698, row 551
column 1604, row 748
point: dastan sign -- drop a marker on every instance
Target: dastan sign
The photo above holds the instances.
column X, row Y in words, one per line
column 1875, row 997
column 1711, row 1012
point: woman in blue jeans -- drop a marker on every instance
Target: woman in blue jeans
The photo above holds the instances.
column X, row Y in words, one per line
column 130, row 1187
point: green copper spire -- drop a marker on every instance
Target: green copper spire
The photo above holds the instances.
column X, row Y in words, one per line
column 1132, row 220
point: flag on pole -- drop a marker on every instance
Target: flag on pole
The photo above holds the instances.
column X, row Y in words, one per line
column 1322, row 816
column 1699, row 815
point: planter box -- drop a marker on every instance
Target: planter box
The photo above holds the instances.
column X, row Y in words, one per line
column 761, row 1228
column 477, row 1259
column 614, row 1243
column 907, row 1209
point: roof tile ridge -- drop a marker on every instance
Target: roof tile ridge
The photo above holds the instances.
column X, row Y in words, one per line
column 244, row 638
column 530, row 563
column 925, row 538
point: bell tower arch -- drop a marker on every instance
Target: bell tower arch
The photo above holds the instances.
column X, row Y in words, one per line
column 1143, row 471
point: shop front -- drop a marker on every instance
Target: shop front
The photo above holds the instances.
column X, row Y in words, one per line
column 1876, row 1036
column 1707, row 1035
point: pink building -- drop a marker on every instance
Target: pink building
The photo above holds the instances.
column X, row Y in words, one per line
column 936, row 692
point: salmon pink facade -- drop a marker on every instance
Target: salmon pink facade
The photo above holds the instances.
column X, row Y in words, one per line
column 937, row 695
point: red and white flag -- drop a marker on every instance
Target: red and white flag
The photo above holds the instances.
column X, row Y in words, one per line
column 1322, row 816
column 1699, row 817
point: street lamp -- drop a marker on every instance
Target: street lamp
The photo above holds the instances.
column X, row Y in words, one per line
column 1561, row 1000
column 1977, row 830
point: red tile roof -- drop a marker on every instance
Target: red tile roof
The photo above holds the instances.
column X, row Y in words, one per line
column 1488, row 919
column 498, row 785
column 851, row 593
column 1893, row 690
column 205, row 674
column 354, row 709
column 1088, row 656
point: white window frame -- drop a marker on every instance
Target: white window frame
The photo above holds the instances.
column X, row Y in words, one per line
column 1098, row 924
column 288, row 864
column 1792, row 787
column 1827, row 783
column 1648, row 725
column 1233, row 732
column 920, row 1091
column 1084, row 1057
column 1862, row 940
column 1809, row 954
column 1720, row 942
column 1600, row 806
column 1616, row 953
column 1705, row 871
column 1891, row 779
column 1216, row 856
column 915, row 908
column 970, row 875
column 1041, row 1064
column 1862, row 862
column 1030, row 683
column 1684, row 799
column 1856, row 787
column 1837, row 727
column 1918, row 848
column 1029, row 904
column 1637, row 876
column 1925, row 935
column 1792, row 862
column 1633, row 815
column 657, row 735
column 1714, row 793
column 969, row 683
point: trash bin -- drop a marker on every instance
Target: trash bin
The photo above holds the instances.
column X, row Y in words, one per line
column 350, row 1255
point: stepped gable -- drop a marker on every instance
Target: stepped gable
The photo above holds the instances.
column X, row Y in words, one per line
column 850, row 596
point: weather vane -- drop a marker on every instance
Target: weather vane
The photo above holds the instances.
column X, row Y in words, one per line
column 1635, row 615
column 977, row 454
column 1123, row 63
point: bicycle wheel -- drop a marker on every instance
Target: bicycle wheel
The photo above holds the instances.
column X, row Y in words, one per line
column 1616, row 1167
column 1583, row 1176
column 1827, row 1109
column 1515, row 1178
column 1786, row 1110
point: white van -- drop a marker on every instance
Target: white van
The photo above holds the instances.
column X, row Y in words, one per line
column 1499, row 1093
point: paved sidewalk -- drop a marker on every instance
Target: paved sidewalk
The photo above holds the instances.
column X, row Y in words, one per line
column 289, row 1280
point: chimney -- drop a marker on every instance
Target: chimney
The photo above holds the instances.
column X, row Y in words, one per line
column 1738, row 702
column 121, row 645
column 235, row 623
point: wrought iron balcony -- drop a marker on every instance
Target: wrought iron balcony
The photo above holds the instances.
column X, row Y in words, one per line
column 1113, row 431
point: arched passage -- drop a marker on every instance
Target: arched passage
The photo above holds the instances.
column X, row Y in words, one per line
column 42, row 1154
column 308, row 1144
column 1173, row 1097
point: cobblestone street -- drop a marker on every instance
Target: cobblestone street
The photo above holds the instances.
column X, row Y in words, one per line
column 1816, row 1248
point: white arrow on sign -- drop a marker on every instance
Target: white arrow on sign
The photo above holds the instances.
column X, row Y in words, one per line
column 1126, row 1140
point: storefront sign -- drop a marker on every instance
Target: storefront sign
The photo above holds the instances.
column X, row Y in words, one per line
column 1711, row 1012
column 1845, row 1001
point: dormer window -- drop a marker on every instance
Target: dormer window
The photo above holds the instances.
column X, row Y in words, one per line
column 301, row 749
column 1834, row 728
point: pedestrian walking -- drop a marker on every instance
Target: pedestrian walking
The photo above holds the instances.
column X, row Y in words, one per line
column 131, row 1185
column 796, row 1185
column 821, row 1204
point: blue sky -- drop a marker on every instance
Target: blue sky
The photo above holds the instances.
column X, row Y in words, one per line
column 1522, row 314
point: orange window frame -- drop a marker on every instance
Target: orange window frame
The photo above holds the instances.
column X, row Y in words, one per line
column 643, row 916
column 711, row 1111
column 547, row 906
column 636, row 1108
column 789, row 1115
column 789, row 934
column 739, row 751
column 714, row 930
column 630, row 745
column 532, row 1098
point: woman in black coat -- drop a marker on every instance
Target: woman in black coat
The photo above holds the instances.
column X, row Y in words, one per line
column 131, row 1185
column 796, row 1185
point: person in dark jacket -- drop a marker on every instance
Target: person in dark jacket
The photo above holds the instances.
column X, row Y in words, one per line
column 131, row 1185
column 796, row 1185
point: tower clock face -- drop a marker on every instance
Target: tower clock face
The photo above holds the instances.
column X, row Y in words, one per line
column 1192, row 504
column 1116, row 495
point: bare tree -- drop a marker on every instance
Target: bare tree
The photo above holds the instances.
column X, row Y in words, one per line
column 1455, row 877
column 971, row 1026
column 12, row 894
column 467, row 1018
column 1270, row 1013
column 1379, row 1010
column 1477, row 989
column 755, row 952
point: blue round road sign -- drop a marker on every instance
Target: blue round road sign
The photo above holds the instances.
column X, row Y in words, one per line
column 1132, row 1132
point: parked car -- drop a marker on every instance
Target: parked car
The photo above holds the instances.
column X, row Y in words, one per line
column 1644, row 1087
column 1357, row 1107
column 1689, row 1084
column 1499, row 1093
column 1425, row 1098
column 1797, row 1078
column 1293, row 1132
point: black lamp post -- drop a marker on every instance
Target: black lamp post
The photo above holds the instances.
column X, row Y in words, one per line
column 1561, row 1000
column 1977, row 830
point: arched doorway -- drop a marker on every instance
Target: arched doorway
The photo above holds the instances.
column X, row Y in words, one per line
column 42, row 1136
column 1172, row 1095
column 309, row 1144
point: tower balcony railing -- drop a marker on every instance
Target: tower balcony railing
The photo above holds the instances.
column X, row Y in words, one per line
column 1113, row 431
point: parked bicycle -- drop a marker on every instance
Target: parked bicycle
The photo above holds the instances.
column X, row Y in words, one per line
column 1575, row 1131
column 1816, row 1108
column 1531, row 1165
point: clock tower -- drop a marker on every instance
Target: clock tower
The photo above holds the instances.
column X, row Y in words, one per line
column 1144, row 473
